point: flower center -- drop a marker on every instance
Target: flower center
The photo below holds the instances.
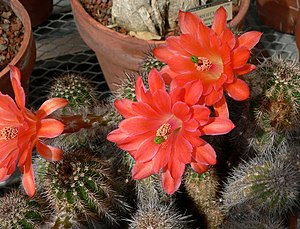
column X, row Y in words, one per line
column 162, row 133
column 202, row 63
column 8, row 133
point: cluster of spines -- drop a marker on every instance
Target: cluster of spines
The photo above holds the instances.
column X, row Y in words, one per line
column 80, row 188
column 202, row 189
column 18, row 211
column 126, row 88
column 268, row 182
column 276, row 112
column 75, row 88
column 158, row 215
column 150, row 62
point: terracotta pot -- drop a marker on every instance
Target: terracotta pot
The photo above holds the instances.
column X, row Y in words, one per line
column 280, row 15
column 38, row 10
column 25, row 58
column 118, row 53
column 239, row 20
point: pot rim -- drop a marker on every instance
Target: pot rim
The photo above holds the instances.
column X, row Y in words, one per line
column 21, row 13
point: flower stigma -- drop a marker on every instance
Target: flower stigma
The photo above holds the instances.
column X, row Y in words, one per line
column 8, row 133
column 162, row 133
column 202, row 63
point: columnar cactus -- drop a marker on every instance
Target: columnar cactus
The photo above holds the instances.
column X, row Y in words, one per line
column 267, row 182
column 18, row 211
column 150, row 62
column 202, row 189
column 81, row 187
column 277, row 110
column 158, row 215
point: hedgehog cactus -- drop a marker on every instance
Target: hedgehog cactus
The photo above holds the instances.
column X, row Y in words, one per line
column 18, row 211
column 150, row 62
column 126, row 88
column 266, row 183
column 202, row 189
column 158, row 215
column 277, row 111
column 81, row 188
column 75, row 88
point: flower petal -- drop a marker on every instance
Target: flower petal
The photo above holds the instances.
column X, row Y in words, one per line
column 205, row 154
column 50, row 153
column 193, row 92
column 219, row 23
column 124, row 107
column 238, row 90
column 147, row 150
column 188, row 22
column 50, row 128
column 249, row 39
column 162, row 157
column 51, row 105
column 28, row 178
column 217, row 126
column 183, row 149
column 142, row 170
column 15, row 78
column 221, row 108
column 245, row 69
column 169, row 183
column 182, row 111
column 201, row 114
column 240, row 57
column 199, row 167
column 138, row 125
column 155, row 81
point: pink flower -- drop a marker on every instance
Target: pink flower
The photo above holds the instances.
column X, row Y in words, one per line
column 212, row 55
column 161, row 130
column 21, row 130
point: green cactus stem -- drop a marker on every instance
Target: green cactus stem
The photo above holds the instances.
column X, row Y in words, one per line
column 267, row 183
column 18, row 211
column 82, row 187
column 202, row 189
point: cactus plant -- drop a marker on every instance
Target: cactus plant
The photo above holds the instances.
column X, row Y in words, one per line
column 81, row 187
column 150, row 62
column 75, row 88
column 203, row 190
column 158, row 215
column 267, row 182
column 276, row 112
column 18, row 211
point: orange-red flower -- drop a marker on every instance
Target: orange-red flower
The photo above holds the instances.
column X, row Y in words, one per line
column 161, row 130
column 21, row 130
column 213, row 55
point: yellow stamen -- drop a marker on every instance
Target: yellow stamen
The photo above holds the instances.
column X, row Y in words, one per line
column 164, row 131
column 8, row 133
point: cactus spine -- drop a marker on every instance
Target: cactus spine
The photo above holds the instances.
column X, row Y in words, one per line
column 81, row 188
column 18, row 211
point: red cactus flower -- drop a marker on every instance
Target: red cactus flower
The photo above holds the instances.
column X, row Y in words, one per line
column 21, row 130
column 161, row 130
column 213, row 55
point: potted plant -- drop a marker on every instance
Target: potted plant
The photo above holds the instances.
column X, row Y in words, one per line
column 116, row 52
column 38, row 11
column 25, row 56
column 280, row 15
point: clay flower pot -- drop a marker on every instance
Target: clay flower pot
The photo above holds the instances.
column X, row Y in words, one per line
column 38, row 10
column 297, row 34
column 118, row 53
column 280, row 15
column 25, row 58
